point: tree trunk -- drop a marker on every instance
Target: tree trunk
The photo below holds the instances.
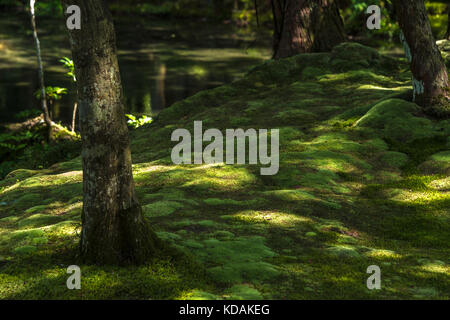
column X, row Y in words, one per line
column 74, row 114
column 47, row 119
column 430, row 80
column 306, row 26
column 447, row 33
column 114, row 230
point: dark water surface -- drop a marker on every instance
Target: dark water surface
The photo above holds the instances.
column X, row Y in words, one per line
column 161, row 61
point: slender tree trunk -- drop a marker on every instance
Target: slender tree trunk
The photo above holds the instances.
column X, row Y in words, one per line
column 47, row 119
column 430, row 80
column 74, row 114
column 306, row 26
column 114, row 230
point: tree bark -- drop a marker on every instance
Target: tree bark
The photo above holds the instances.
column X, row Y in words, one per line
column 47, row 119
column 114, row 230
column 306, row 26
column 447, row 33
column 430, row 80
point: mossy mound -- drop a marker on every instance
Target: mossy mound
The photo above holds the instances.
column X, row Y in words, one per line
column 397, row 119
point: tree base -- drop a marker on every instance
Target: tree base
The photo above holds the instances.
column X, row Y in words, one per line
column 135, row 243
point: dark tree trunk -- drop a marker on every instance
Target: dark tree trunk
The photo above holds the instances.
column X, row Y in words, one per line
column 447, row 34
column 113, row 228
column 306, row 26
column 430, row 80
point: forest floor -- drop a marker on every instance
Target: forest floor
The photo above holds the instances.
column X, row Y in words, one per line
column 363, row 180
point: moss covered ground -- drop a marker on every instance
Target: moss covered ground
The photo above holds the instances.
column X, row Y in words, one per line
column 363, row 180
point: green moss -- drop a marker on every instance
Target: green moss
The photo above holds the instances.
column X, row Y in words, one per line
column 21, row 174
column 228, row 202
column 192, row 244
column 332, row 161
column 395, row 119
column 294, row 116
column 290, row 195
column 202, row 295
column 313, row 72
column 161, row 208
column 29, row 198
column 238, row 260
column 441, row 156
column 343, row 252
column 307, row 87
column 323, row 180
column 20, row 235
column 378, row 144
column 38, row 220
column 394, row 159
column 289, row 133
column 244, row 292
column 25, row 249
column 36, row 208
column 352, row 55
column 39, row 240
column 207, row 223
column 223, row 235
column 425, row 292
column 168, row 236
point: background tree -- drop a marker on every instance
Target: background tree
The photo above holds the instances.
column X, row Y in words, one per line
column 430, row 80
column 113, row 228
column 306, row 26
column 43, row 98
column 447, row 33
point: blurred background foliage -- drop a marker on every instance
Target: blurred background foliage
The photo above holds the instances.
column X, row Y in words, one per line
column 243, row 13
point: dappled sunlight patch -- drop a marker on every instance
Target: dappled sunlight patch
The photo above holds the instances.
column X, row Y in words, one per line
column 277, row 218
column 19, row 235
column 332, row 161
column 374, row 87
column 343, row 251
column 436, row 267
column 52, row 180
column 226, row 178
column 382, row 254
column 357, row 76
column 417, row 196
column 442, row 185
column 145, row 167
column 38, row 220
column 290, row 195
column 64, row 228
